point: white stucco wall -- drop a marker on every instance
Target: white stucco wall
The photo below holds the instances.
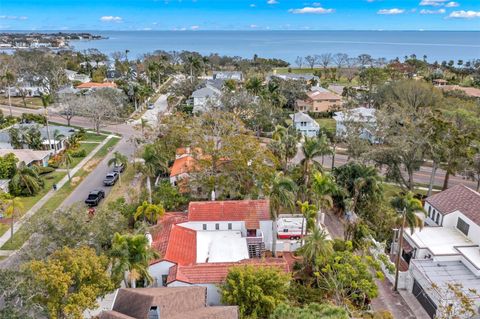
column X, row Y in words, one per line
column 266, row 228
column 223, row 225
column 450, row 220
column 159, row 269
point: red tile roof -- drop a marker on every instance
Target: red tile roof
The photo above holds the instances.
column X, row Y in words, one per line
column 182, row 246
column 161, row 232
column 215, row 273
column 460, row 198
column 182, row 165
column 89, row 85
column 250, row 211
column 321, row 96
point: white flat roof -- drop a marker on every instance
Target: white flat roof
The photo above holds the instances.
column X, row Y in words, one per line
column 439, row 240
column 472, row 254
column 221, row 246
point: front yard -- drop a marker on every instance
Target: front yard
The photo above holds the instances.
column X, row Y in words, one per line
column 32, row 102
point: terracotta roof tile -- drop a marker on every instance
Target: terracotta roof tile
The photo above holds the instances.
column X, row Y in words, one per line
column 89, row 85
column 320, row 96
column 161, row 232
column 183, row 165
column 216, row 273
column 460, row 198
column 182, row 246
column 250, row 211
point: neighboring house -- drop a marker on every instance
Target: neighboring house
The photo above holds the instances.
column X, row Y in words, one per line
column 362, row 118
column 67, row 89
column 66, row 132
column 74, row 76
column 336, row 88
column 440, row 82
column 94, row 85
column 228, row 75
column 445, row 252
column 180, row 171
column 320, row 100
column 295, row 77
column 205, row 97
column 29, row 157
column 113, row 74
column 198, row 247
column 166, row 303
column 469, row 91
column 305, row 124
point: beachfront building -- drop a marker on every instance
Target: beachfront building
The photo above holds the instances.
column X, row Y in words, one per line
column 165, row 303
column 200, row 246
column 320, row 100
column 446, row 251
column 361, row 119
column 305, row 124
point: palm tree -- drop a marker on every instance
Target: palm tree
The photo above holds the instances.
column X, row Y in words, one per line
column 117, row 160
column 254, row 85
column 194, row 62
column 285, row 143
column 73, row 142
column 67, row 160
column 46, row 99
column 323, row 188
column 131, row 254
column 149, row 212
column 311, row 148
column 13, row 206
column 143, row 125
column 309, row 213
column 25, row 181
column 409, row 206
column 156, row 162
column 282, row 195
column 56, row 137
column 316, row 249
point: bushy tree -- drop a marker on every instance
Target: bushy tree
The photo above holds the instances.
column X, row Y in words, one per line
column 310, row 311
column 256, row 291
column 8, row 166
column 25, row 182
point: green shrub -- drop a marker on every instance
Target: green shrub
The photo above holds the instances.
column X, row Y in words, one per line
column 44, row 170
column 81, row 153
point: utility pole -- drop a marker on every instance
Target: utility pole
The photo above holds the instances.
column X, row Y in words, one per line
column 399, row 252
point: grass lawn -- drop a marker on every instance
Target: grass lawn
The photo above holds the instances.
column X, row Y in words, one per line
column 92, row 137
column 328, row 123
column 4, row 228
column 22, row 234
column 32, row 102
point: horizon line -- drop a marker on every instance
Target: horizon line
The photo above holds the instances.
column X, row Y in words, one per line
column 230, row 30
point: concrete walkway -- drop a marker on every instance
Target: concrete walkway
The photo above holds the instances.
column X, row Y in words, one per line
column 389, row 300
column 44, row 199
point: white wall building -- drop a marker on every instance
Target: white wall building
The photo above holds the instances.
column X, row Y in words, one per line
column 305, row 124
column 361, row 119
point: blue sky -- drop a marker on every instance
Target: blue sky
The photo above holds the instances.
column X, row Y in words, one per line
column 239, row 15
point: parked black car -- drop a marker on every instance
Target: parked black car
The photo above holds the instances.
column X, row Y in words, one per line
column 94, row 197
column 110, row 179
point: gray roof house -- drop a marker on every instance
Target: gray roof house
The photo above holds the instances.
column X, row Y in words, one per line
column 228, row 75
column 294, row 76
column 362, row 117
column 204, row 97
column 305, row 124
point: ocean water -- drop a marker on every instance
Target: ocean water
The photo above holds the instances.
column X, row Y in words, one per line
column 287, row 45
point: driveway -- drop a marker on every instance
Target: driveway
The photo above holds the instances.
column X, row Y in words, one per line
column 151, row 116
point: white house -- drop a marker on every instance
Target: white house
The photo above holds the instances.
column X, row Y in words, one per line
column 446, row 251
column 199, row 247
column 305, row 124
column 361, row 119
column 205, row 97
column 74, row 76
column 228, row 75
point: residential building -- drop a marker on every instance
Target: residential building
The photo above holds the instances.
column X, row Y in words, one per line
column 29, row 157
column 200, row 246
column 305, row 124
column 361, row 119
column 445, row 251
column 59, row 144
column 440, row 82
column 295, row 77
column 74, row 76
column 166, row 303
column 320, row 100
column 94, row 85
column 206, row 97
column 228, row 75
column 184, row 164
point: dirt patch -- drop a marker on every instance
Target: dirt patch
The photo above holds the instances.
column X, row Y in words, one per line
column 91, row 164
column 76, row 180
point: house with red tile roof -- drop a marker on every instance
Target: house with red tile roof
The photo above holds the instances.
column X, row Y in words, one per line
column 198, row 247
column 320, row 100
column 446, row 250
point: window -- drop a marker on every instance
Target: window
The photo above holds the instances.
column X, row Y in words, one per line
column 204, row 226
column 437, row 220
column 429, row 210
column 463, row 226
column 217, row 226
column 164, row 280
column 229, row 226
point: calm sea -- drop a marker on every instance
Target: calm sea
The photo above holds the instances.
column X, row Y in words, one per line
column 287, row 45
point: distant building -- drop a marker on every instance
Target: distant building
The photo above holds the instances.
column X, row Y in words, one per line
column 66, row 132
column 95, row 85
column 166, row 303
column 74, row 76
column 320, row 100
column 305, row 124
column 446, row 251
column 440, row 82
column 228, row 75
column 362, row 117
column 295, row 77
column 205, row 97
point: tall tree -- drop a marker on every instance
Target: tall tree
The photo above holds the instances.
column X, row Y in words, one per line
column 12, row 208
column 323, row 188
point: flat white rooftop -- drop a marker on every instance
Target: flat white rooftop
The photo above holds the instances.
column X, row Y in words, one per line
column 439, row 240
column 221, row 246
column 472, row 254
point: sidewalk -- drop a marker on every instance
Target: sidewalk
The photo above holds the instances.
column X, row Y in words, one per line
column 44, row 199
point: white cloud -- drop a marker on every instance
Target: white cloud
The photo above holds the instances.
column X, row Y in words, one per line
column 253, row 26
column 311, row 10
column 452, row 4
column 253, row 5
column 194, row 27
column 435, row 3
column 439, row 11
column 272, row 1
column 391, row 11
column 111, row 19
column 462, row 14
column 13, row 17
